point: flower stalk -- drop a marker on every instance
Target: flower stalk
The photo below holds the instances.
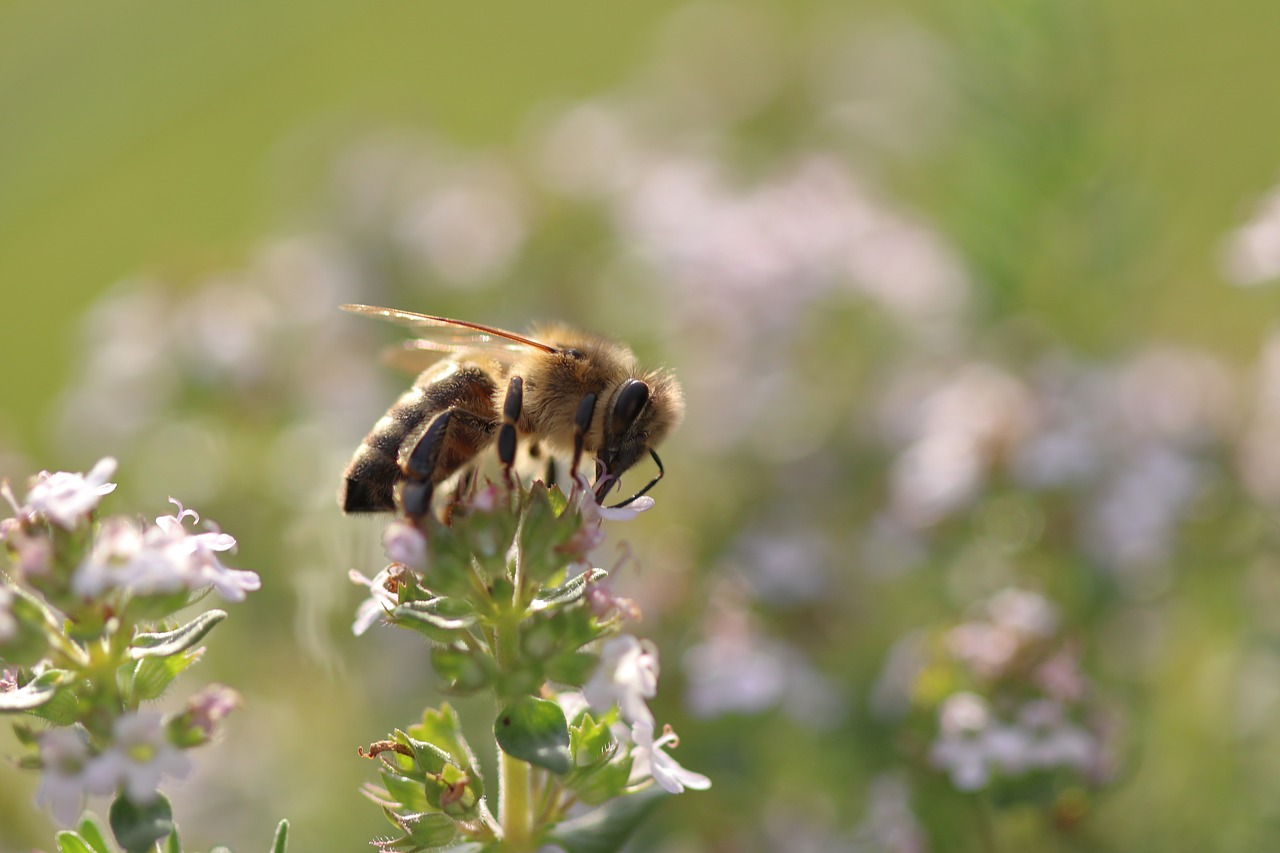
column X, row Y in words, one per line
column 507, row 599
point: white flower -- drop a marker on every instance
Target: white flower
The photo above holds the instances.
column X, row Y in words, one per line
column 648, row 759
column 64, row 498
column 627, row 676
column 593, row 512
column 67, row 777
column 163, row 558
column 382, row 597
column 138, row 758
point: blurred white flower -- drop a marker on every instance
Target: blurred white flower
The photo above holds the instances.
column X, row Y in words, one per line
column 64, row 755
column 889, row 826
column 138, row 757
column 743, row 672
column 8, row 622
column 467, row 232
column 627, row 675
column 65, row 498
column 962, row 748
column 1252, row 252
column 972, row 743
column 1133, row 522
column 648, row 760
column 955, row 428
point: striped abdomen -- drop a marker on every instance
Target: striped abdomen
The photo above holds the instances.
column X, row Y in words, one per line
column 463, row 393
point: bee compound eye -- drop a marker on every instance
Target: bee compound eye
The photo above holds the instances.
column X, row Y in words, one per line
column 630, row 402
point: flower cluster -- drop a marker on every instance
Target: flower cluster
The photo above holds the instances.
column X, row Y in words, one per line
column 87, row 635
column 502, row 595
column 1004, row 698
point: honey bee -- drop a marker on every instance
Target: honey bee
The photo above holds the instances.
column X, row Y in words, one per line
column 571, row 391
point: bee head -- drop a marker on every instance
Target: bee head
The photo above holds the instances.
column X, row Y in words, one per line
column 639, row 416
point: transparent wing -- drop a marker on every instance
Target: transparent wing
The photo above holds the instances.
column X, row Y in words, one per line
column 438, row 335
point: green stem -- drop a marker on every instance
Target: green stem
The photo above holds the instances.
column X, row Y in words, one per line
column 986, row 825
column 514, row 802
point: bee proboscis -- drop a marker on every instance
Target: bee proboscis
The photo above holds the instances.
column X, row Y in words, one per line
column 574, row 392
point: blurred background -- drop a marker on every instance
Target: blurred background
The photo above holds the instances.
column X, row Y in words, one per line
column 968, row 540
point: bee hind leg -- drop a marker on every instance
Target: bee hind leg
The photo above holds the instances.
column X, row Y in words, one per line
column 449, row 441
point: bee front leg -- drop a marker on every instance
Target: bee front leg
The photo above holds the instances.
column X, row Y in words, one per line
column 581, row 423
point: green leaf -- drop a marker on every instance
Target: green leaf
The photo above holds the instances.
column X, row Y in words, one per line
column 429, row 830
column 602, row 783
column 572, row 667
column 69, row 842
column 281, row 839
column 33, row 695
column 440, row 619
column 63, row 709
column 568, row 592
column 542, row 533
column 409, row 793
column 607, row 828
column 422, row 832
column 443, row 729
column 558, row 499
column 591, row 742
column 91, row 832
column 138, row 827
column 29, row 641
column 173, row 844
column 466, row 672
column 535, row 730
column 154, row 675
column 178, row 640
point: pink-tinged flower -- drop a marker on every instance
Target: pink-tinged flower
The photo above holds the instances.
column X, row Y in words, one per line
column 210, row 706
column 68, row 776
column 8, row 680
column 163, row 558
column 405, row 544
column 627, row 676
column 65, row 498
column 1016, row 619
column 648, row 760
column 382, row 598
column 138, row 758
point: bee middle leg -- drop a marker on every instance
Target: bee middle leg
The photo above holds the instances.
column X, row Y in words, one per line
column 512, row 403
column 450, row 440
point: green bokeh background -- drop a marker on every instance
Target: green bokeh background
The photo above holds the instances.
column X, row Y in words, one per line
column 140, row 136
column 171, row 138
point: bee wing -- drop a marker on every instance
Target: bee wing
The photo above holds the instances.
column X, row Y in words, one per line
column 440, row 335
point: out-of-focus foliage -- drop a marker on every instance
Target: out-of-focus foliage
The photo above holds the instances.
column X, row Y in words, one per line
column 971, row 303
